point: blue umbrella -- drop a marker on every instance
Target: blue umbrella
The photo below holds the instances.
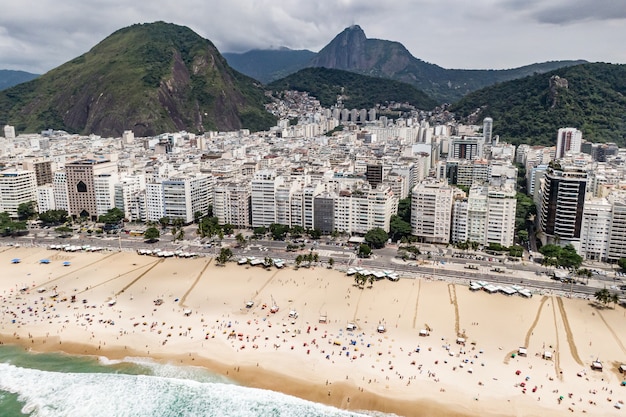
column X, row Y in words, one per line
column 66, row 263
column 44, row 261
column 15, row 260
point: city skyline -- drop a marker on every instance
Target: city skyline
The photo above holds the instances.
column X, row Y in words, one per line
column 37, row 36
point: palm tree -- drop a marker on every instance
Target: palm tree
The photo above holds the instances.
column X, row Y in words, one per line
column 603, row 296
column 331, row 262
column 299, row 260
column 614, row 298
column 241, row 240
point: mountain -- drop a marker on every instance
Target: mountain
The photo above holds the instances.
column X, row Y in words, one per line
column 352, row 51
column 9, row 78
column 590, row 97
column 267, row 65
column 150, row 78
column 357, row 91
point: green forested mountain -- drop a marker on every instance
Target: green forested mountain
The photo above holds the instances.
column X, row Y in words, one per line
column 149, row 78
column 357, row 91
column 9, row 78
column 590, row 97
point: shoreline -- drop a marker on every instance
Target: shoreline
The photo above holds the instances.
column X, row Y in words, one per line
column 375, row 371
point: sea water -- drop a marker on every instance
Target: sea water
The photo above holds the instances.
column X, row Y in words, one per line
column 59, row 385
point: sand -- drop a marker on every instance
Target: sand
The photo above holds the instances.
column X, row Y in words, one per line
column 203, row 320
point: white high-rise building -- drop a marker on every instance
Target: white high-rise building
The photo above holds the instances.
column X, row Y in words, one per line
column 231, row 203
column 45, row 198
column 126, row 195
column 595, row 229
column 185, row 196
column 431, row 211
column 9, row 132
column 104, row 191
column 59, row 184
column 363, row 210
column 16, row 187
column 263, row 197
column 154, row 201
column 569, row 140
column 488, row 130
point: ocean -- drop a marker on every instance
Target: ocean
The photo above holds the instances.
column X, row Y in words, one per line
column 59, row 385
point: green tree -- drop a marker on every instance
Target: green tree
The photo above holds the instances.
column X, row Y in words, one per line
column 112, row 217
column 398, row 228
column 550, row 251
column 296, row 231
column 299, row 260
column 315, row 233
column 152, row 234
column 224, row 255
column 622, row 264
column 603, row 296
column 53, row 217
column 26, row 211
column 241, row 240
column 569, row 258
column 376, row 238
column 404, row 209
column 197, row 216
column 364, row 251
column 64, row 231
column 522, row 236
column 331, row 262
column 164, row 221
column 278, row 231
column 259, row 232
column 228, row 229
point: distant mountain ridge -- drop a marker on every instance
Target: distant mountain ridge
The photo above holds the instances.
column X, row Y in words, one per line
column 9, row 78
column 267, row 65
column 352, row 51
column 149, row 78
column 590, row 97
column 357, row 91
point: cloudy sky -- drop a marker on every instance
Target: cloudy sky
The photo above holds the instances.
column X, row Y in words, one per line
column 38, row 35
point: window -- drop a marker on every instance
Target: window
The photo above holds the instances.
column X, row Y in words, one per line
column 81, row 187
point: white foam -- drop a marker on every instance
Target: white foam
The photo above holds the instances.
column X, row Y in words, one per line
column 54, row 394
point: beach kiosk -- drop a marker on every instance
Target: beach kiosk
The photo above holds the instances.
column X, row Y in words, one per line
column 381, row 328
column 187, row 313
column 522, row 351
column 424, row 333
column 622, row 368
column 596, row 365
column 547, row 355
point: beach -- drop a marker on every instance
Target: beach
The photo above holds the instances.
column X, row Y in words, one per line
column 194, row 312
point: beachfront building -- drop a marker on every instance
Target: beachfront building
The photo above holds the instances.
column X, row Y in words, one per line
column 104, row 189
column 81, row 188
column 562, row 201
column 486, row 216
column 431, row 211
column 154, row 201
column 231, row 203
column 595, row 229
column 617, row 232
column 128, row 193
column 45, row 198
column 363, row 209
column 16, row 187
column 59, row 185
column 184, row 196
column 263, row 197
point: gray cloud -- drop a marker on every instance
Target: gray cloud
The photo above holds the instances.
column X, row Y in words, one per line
column 38, row 35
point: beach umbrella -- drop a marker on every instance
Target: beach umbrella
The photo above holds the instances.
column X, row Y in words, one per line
column 67, row 263
column 44, row 261
column 15, row 260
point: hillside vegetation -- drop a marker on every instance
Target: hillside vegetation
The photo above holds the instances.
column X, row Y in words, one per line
column 150, row 78
column 358, row 91
column 532, row 109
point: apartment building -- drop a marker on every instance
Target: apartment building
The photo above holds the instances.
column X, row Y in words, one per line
column 431, row 211
column 59, row 189
column 81, row 187
column 16, row 187
column 231, row 203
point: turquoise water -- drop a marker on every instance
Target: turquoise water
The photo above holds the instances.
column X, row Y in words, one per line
column 57, row 385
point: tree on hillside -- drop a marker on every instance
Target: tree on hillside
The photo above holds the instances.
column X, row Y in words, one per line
column 151, row 234
column 376, row 238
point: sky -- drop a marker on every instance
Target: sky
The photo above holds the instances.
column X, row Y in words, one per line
column 38, row 35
